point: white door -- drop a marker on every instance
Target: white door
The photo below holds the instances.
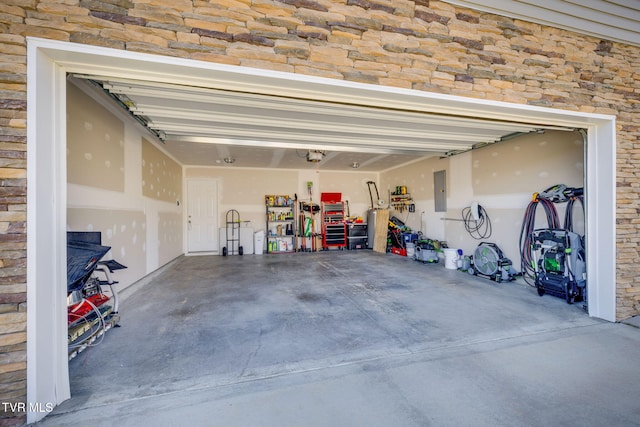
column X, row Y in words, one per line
column 202, row 215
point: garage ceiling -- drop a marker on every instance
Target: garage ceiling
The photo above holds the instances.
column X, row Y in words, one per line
column 204, row 126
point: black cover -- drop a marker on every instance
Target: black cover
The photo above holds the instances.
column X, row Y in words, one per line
column 82, row 259
column 94, row 237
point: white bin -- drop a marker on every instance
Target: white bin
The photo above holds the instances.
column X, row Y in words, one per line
column 450, row 259
column 258, row 242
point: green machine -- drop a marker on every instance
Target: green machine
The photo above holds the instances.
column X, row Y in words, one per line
column 558, row 259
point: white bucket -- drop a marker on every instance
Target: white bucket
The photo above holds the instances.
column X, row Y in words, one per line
column 411, row 250
column 451, row 259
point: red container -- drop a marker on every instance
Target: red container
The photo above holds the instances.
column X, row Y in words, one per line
column 399, row 251
column 331, row 197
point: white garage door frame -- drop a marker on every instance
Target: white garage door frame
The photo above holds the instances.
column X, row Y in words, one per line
column 48, row 63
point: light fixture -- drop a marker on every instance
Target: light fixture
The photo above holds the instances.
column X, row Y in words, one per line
column 229, row 160
column 314, row 156
column 355, row 165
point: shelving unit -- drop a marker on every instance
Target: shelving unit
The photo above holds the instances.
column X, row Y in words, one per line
column 281, row 224
column 334, row 229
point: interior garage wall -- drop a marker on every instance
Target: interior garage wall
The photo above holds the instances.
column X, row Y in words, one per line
column 124, row 231
column 169, row 228
column 418, row 178
column 95, row 144
column 353, row 187
column 501, row 178
column 141, row 223
column 161, row 175
column 244, row 189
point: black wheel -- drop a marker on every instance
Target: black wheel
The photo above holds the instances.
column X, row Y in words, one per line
column 570, row 295
column 240, row 251
column 540, row 289
column 224, row 251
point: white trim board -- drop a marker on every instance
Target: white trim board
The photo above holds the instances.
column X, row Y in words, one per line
column 49, row 61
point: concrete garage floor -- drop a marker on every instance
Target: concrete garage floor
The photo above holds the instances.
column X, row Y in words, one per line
column 350, row 338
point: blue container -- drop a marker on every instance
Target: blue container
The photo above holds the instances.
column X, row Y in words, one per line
column 410, row 237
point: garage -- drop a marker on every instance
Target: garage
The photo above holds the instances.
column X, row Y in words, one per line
column 395, row 169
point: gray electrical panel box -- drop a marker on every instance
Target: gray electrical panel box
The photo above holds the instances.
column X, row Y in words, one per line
column 440, row 190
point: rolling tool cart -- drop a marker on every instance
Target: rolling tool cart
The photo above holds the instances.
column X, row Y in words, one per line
column 232, row 234
column 334, row 230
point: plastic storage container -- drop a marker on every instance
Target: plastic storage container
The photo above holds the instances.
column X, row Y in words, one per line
column 450, row 259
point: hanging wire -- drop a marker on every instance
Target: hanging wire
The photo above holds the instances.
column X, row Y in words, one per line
column 478, row 229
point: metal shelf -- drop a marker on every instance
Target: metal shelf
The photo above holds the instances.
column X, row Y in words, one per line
column 281, row 225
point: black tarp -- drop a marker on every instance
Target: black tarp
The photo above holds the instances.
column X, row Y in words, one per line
column 82, row 259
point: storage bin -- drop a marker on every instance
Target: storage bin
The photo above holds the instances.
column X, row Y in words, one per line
column 410, row 237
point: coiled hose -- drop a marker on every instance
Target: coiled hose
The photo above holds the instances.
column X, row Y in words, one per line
column 526, row 232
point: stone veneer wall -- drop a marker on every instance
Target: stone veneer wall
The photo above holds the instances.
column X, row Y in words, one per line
column 423, row 44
